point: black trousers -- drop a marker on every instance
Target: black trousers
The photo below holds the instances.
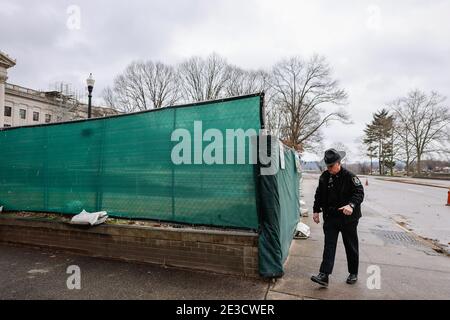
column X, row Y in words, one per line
column 331, row 227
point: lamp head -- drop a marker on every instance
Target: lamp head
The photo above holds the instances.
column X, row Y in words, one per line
column 90, row 82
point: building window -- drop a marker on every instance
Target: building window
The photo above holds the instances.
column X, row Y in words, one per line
column 35, row 116
column 8, row 111
column 58, row 119
column 48, row 118
column 23, row 113
column 7, row 125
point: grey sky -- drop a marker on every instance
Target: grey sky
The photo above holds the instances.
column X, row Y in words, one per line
column 378, row 49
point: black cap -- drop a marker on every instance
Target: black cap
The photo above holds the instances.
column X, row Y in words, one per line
column 332, row 156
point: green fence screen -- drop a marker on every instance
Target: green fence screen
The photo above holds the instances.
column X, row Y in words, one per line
column 280, row 209
column 123, row 165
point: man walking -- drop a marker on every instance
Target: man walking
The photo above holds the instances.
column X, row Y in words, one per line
column 339, row 197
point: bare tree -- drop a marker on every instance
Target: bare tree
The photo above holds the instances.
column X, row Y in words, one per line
column 406, row 151
column 203, row 79
column 442, row 146
column 129, row 88
column 426, row 121
column 242, row 81
column 109, row 97
column 143, row 86
column 302, row 90
column 162, row 84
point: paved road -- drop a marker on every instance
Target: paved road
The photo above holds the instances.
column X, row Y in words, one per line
column 420, row 208
column 408, row 268
column 432, row 182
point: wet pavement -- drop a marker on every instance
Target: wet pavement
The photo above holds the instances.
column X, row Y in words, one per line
column 417, row 207
column 394, row 264
column 409, row 268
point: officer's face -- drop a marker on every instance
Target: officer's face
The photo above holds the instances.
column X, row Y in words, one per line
column 334, row 168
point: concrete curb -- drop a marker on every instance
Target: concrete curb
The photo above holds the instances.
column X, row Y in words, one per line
column 217, row 251
column 414, row 182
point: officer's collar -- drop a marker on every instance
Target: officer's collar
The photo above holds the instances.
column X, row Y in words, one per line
column 337, row 175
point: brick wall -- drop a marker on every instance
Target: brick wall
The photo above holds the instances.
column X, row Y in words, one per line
column 218, row 251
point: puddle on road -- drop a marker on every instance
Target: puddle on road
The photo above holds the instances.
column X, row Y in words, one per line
column 37, row 271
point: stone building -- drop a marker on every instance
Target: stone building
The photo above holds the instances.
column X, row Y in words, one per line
column 21, row 106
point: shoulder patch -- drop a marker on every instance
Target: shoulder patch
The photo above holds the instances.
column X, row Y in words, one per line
column 356, row 181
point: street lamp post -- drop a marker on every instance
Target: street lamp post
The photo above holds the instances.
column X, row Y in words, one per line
column 90, row 84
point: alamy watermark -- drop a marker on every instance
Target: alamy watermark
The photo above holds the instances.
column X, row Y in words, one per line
column 73, row 282
column 236, row 146
column 374, row 278
column 73, row 21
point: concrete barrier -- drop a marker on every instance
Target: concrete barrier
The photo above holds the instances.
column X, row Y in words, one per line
column 228, row 252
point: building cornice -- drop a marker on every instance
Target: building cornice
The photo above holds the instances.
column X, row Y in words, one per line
column 40, row 96
column 6, row 61
column 30, row 95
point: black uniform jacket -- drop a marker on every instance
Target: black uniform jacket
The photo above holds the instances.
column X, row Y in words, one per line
column 350, row 191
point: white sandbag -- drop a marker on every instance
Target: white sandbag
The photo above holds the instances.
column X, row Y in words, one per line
column 304, row 212
column 302, row 231
column 101, row 220
column 89, row 218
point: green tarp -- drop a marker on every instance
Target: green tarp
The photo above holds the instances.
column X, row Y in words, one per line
column 280, row 209
column 123, row 165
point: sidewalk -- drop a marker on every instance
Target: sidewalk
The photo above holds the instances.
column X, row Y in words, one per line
column 410, row 269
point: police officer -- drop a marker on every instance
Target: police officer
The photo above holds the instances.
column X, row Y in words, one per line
column 338, row 197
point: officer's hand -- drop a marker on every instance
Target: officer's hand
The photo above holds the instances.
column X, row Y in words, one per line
column 316, row 217
column 347, row 210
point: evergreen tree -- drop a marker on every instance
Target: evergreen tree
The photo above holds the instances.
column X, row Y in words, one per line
column 379, row 139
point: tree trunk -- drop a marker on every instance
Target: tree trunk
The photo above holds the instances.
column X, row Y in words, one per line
column 379, row 158
column 407, row 154
column 418, row 165
column 392, row 152
column 407, row 165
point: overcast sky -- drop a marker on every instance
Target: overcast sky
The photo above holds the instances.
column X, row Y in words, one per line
column 378, row 49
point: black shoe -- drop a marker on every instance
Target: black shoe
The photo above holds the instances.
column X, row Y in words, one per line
column 321, row 279
column 352, row 278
